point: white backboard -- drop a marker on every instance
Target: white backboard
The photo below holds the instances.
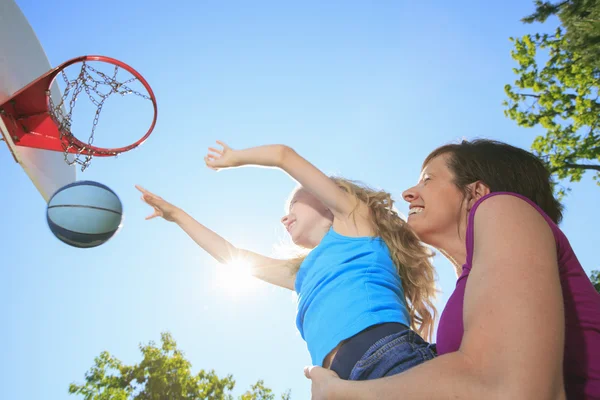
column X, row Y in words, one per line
column 22, row 59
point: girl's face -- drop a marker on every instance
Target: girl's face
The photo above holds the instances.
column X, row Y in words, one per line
column 308, row 220
column 437, row 207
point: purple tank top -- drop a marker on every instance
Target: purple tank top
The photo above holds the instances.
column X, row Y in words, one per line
column 582, row 313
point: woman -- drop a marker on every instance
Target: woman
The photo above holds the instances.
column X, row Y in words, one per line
column 524, row 319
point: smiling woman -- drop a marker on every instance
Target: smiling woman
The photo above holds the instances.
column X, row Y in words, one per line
column 523, row 321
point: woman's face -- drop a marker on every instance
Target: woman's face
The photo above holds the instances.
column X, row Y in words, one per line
column 437, row 208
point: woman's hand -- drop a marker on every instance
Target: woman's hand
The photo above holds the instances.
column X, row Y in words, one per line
column 161, row 207
column 325, row 383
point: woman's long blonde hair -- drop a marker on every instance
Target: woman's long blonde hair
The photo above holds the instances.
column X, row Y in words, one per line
column 411, row 257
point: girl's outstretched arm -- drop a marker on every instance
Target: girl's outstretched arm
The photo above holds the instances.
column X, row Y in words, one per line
column 340, row 203
column 271, row 270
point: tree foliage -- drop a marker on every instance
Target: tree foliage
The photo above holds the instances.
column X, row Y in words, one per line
column 562, row 97
column 595, row 277
column 163, row 374
column 581, row 20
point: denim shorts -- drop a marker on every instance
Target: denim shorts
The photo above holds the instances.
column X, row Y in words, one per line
column 390, row 355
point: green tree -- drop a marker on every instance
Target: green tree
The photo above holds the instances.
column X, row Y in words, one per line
column 163, row 374
column 581, row 20
column 595, row 277
column 259, row 391
column 562, row 97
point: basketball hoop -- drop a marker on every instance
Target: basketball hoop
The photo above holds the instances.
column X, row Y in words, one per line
column 35, row 119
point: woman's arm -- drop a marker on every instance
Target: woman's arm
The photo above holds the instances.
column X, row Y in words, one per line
column 513, row 340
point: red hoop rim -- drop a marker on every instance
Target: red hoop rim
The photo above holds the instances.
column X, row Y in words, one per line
column 99, row 151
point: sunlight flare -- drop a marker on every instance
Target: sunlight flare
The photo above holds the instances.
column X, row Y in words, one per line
column 235, row 277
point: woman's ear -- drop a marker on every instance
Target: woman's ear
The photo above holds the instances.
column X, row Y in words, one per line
column 476, row 191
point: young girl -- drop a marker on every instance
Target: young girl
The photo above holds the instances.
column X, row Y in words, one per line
column 365, row 281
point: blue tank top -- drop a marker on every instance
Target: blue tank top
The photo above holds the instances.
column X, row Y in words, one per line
column 345, row 285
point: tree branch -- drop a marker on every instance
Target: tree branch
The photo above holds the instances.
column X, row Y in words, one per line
column 581, row 166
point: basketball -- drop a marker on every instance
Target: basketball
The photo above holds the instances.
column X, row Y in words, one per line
column 84, row 214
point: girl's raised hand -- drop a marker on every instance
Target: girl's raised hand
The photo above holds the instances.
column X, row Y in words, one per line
column 220, row 159
column 161, row 207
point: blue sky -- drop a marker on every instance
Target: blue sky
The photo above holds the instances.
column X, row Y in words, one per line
column 362, row 89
